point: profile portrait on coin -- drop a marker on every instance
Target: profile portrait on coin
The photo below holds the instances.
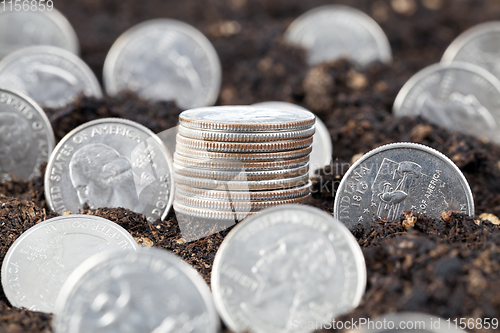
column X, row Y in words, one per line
column 165, row 73
column 103, row 178
column 291, row 273
column 15, row 141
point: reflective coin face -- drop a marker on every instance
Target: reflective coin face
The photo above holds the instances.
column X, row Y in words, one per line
column 146, row 291
column 51, row 76
column 110, row 163
column 460, row 97
column 479, row 45
column 41, row 259
column 26, row 137
column 321, row 154
column 334, row 31
column 29, row 28
column 286, row 266
column 164, row 60
column 397, row 177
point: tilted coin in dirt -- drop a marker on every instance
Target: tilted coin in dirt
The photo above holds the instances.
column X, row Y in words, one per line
column 110, row 163
column 164, row 60
column 29, row 28
column 240, row 118
column 401, row 176
column 480, row 45
column 334, row 31
column 286, row 266
column 26, row 136
column 459, row 96
column 42, row 258
column 53, row 77
column 407, row 322
column 146, row 291
column 321, row 154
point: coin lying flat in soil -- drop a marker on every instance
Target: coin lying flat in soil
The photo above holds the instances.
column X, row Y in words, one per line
column 334, row 31
column 145, row 291
column 110, row 163
column 40, row 261
column 286, row 266
column 164, row 60
column 40, row 27
column 26, row 137
column 401, row 176
column 459, row 96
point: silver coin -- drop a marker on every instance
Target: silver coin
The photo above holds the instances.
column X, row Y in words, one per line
column 41, row 259
column 146, row 291
column 408, row 322
column 246, row 119
column 203, row 214
column 397, row 177
column 458, row 96
column 53, row 77
column 29, row 28
column 285, row 266
column 480, row 45
column 334, row 31
column 26, row 136
column 162, row 60
column 322, row 151
column 110, row 163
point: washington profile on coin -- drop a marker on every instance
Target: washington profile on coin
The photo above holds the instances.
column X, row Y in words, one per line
column 22, row 29
column 110, row 163
column 26, row 136
column 286, row 266
column 333, row 31
column 53, row 77
column 164, row 59
column 42, row 258
column 146, row 291
column 458, row 96
column 401, row 176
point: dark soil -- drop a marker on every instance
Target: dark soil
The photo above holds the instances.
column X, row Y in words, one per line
column 448, row 267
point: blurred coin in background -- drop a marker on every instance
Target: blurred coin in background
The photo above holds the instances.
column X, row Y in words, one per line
column 43, row 257
column 26, row 136
column 480, row 45
column 459, row 96
column 53, row 77
column 19, row 29
column 146, row 291
column 164, row 60
column 334, row 31
column 321, row 154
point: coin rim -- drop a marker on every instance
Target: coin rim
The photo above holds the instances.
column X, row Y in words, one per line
column 323, row 132
column 116, row 49
column 155, row 253
column 58, row 52
column 341, row 228
column 42, row 224
column 143, row 128
column 404, row 145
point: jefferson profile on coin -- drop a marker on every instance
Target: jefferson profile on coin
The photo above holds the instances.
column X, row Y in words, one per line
column 103, row 178
column 15, row 140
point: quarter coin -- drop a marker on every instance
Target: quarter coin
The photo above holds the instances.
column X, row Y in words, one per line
column 41, row 27
column 459, row 96
column 164, row 60
column 43, row 257
column 26, row 136
column 284, row 267
column 110, row 163
column 334, row 31
column 397, row 177
column 53, row 77
column 479, row 46
column 145, row 291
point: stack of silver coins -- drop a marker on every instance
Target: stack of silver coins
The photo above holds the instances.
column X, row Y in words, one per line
column 233, row 161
